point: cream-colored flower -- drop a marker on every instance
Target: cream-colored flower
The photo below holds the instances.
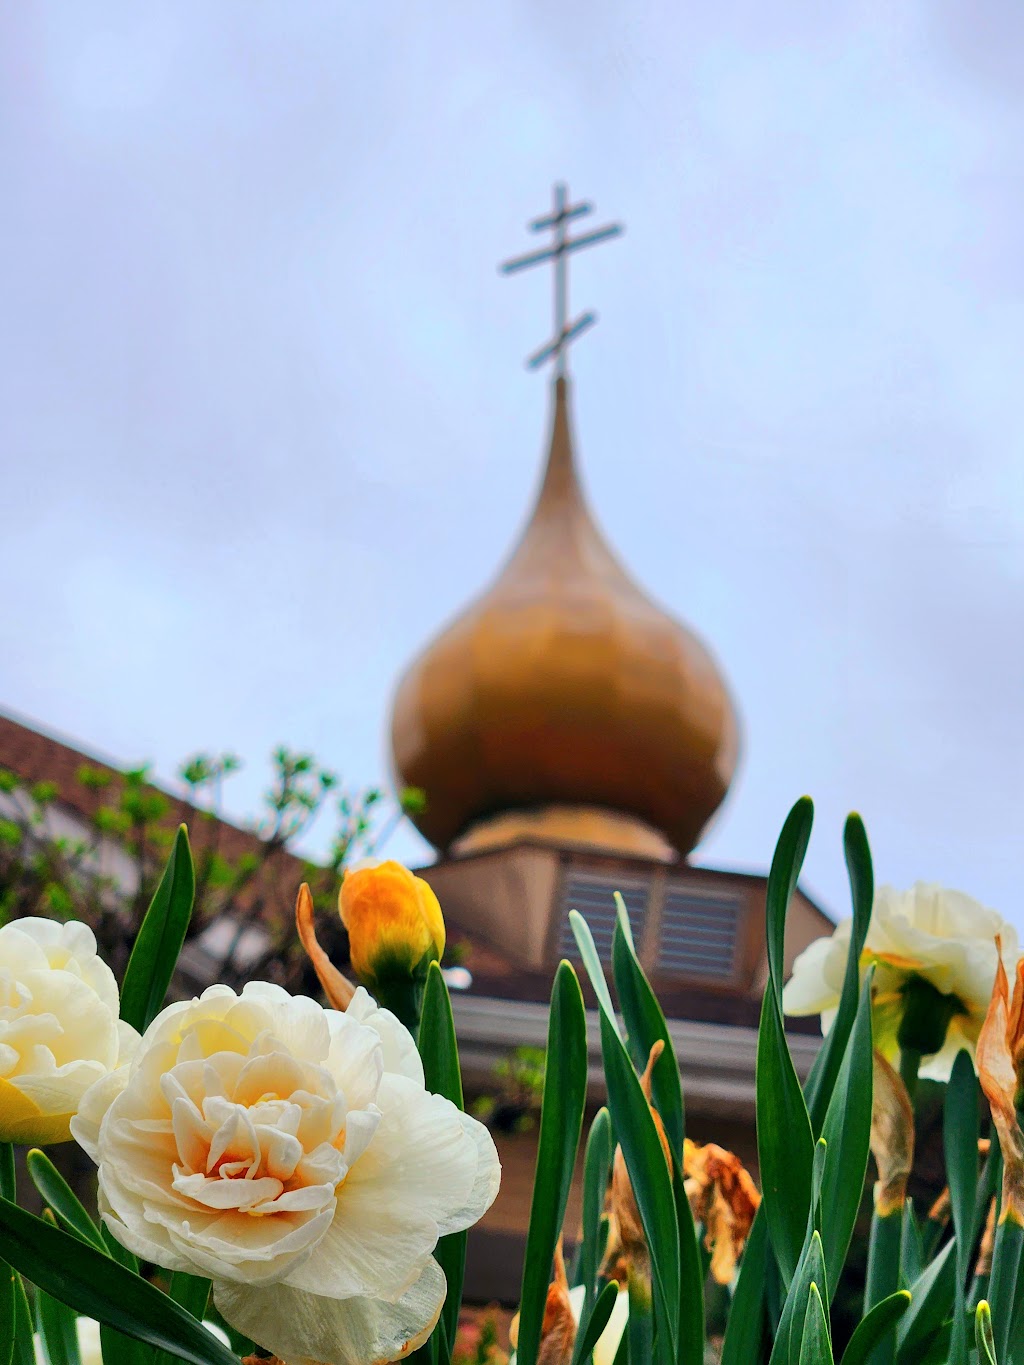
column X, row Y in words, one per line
column 59, row 1027
column 292, row 1155
column 927, row 934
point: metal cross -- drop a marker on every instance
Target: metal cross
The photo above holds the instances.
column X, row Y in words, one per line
column 565, row 332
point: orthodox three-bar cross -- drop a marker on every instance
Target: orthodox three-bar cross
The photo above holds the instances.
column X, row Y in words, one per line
column 565, row 331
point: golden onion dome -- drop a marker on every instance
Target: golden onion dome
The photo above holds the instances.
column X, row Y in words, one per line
column 564, row 704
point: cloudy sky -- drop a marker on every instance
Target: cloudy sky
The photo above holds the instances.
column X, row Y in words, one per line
column 265, row 425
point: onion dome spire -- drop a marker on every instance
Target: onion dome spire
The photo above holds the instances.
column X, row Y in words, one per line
column 564, row 692
column 563, row 704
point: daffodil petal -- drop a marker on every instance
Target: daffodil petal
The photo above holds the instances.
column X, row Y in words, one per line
column 454, row 1177
column 430, row 1170
column 817, row 978
column 310, row 1329
column 23, row 1121
column 401, row 1055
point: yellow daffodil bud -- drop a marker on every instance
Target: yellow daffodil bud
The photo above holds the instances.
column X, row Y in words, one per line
column 394, row 921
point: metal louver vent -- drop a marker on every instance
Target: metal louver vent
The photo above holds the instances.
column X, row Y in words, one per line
column 698, row 933
column 594, row 898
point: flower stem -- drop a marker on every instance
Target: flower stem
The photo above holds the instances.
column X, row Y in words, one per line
column 403, row 996
column 910, row 1062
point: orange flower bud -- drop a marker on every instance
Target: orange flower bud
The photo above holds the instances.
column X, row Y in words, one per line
column 394, row 922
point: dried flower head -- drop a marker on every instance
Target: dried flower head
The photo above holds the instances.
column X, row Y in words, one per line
column 892, row 1137
column 998, row 1046
column 626, row 1257
column 724, row 1198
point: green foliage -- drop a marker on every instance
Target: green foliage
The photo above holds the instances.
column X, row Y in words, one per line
column 876, row 1328
column 645, row 1026
column 159, row 939
column 983, row 1335
column 565, row 1092
column 514, row 1104
column 813, row 1144
column 862, row 891
column 960, row 1132
column 58, row 1196
column 597, row 1165
column 593, row 1323
column 92, row 1284
column 107, row 872
column 440, row 1055
column 846, row 1133
column 784, row 1139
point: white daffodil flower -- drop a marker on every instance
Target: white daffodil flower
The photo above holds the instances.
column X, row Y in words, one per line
column 59, row 1027
column 928, row 934
column 292, row 1155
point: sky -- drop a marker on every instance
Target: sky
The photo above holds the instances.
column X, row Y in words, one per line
column 265, row 424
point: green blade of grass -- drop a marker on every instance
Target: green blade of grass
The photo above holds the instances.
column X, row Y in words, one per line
column 60, row 1197
column 875, row 1327
column 57, row 1326
column 821, row 1081
column 746, row 1327
column 847, row 1132
column 561, row 1120
column 594, row 1321
column 960, row 1142
column 597, row 1164
column 159, row 939
column 816, row 1346
column 649, row 1175
column 645, row 1025
column 983, row 1335
column 439, row 1052
column 784, row 1140
column 61, row 1264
